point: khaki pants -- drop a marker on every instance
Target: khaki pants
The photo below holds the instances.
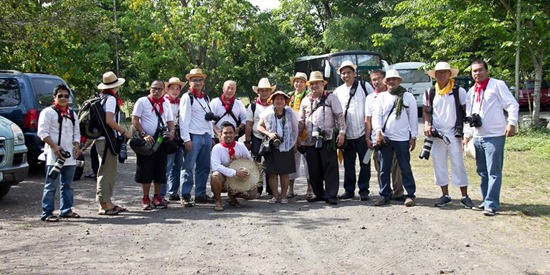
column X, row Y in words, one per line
column 106, row 174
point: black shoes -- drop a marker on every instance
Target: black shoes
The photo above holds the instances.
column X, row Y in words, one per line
column 346, row 196
column 174, row 198
column 332, row 201
column 315, row 198
column 204, row 199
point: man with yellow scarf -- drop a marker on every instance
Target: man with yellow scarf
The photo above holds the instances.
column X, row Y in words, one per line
column 443, row 114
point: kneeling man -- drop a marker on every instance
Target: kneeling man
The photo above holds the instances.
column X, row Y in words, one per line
column 222, row 154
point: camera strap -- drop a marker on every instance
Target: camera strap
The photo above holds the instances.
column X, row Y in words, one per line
column 160, row 122
column 207, row 99
column 352, row 93
column 388, row 117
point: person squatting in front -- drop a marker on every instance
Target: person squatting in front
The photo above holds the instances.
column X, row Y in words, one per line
column 153, row 120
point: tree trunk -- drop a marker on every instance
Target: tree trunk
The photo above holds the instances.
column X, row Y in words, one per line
column 537, row 64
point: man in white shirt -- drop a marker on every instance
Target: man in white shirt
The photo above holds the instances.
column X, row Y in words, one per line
column 443, row 114
column 228, row 108
column 153, row 119
column 222, row 154
column 58, row 127
column 396, row 126
column 352, row 95
column 196, row 131
column 489, row 127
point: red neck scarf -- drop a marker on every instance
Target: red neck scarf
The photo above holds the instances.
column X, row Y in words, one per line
column 157, row 102
column 172, row 100
column 227, row 104
column 231, row 147
column 196, row 94
column 111, row 92
column 480, row 87
column 259, row 102
column 63, row 111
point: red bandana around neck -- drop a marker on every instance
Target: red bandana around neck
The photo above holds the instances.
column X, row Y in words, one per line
column 157, row 102
column 196, row 94
column 259, row 102
column 62, row 111
column 480, row 87
column 172, row 100
column 226, row 104
column 231, row 147
column 111, row 92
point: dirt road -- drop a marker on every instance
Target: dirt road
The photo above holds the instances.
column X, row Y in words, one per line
column 353, row 237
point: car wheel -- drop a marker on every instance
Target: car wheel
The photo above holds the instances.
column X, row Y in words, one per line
column 79, row 170
column 4, row 189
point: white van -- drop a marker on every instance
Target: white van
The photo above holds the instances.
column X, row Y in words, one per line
column 415, row 79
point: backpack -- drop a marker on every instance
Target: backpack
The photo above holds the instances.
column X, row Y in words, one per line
column 92, row 117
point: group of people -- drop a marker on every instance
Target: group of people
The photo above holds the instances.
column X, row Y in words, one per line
column 302, row 133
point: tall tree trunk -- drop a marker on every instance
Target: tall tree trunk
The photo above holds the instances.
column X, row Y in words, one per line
column 537, row 64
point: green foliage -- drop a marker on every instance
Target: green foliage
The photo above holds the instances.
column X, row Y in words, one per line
column 531, row 140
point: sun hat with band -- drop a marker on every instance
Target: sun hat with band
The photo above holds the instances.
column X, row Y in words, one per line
column 298, row 75
column 264, row 84
column 316, row 76
column 273, row 95
column 392, row 74
column 347, row 63
column 110, row 80
column 443, row 66
column 196, row 72
column 175, row 80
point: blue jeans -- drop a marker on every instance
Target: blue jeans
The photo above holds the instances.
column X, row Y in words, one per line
column 401, row 150
column 174, row 164
column 354, row 148
column 489, row 162
column 198, row 158
column 65, row 180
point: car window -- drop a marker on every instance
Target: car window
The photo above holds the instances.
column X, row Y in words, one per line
column 414, row 76
column 43, row 88
column 10, row 95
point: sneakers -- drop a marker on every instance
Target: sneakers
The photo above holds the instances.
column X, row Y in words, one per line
column 175, row 197
column 467, row 202
column 158, row 202
column 146, row 203
column 409, row 202
column 346, row 196
column 381, row 201
column 480, row 207
column 443, row 200
column 489, row 212
column 186, row 202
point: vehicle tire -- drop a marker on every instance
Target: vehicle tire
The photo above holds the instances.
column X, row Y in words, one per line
column 79, row 170
column 4, row 189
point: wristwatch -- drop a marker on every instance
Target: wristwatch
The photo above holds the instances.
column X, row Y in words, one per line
column 142, row 134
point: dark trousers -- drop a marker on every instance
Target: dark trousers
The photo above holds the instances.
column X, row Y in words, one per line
column 94, row 159
column 399, row 149
column 352, row 149
column 256, row 142
column 323, row 167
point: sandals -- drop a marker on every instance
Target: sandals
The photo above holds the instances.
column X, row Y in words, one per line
column 120, row 209
column 273, row 200
column 284, row 201
column 70, row 215
column 218, row 206
column 50, row 218
column 108, row 212
column 291, row 195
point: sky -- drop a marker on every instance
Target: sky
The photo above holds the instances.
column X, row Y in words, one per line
column 265, row 4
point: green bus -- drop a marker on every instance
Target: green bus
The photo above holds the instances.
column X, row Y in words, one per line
column 329, row 63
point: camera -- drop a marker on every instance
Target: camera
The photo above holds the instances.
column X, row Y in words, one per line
column 377, row 146
column 474, row 120
column 317, row 133
column 437, row 134
column 211, row 117
column 54, row 173
column 276, row 142
column 425, row 153
column 459, row 131
column 123, row 153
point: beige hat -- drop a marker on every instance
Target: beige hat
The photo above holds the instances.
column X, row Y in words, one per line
column 174, row 80
column 347, row 63
column 470, row 150
column 298, row 75
column 316, row 76
column 392, row 74
column 264, row 84
column 443, row 66
column 272, row 96
column 195, row 72
column 110, row 80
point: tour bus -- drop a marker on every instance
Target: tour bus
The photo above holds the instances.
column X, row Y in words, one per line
column 415, row 79
column 329, row 63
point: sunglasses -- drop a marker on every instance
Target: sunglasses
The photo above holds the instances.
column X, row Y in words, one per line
column 63, row 96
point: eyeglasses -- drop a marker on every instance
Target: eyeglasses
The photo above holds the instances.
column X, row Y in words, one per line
column 63, row 96
column 197, row 80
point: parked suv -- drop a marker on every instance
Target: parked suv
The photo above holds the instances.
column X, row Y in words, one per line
column 22, row 97
column 526, row 93
column 13, row 155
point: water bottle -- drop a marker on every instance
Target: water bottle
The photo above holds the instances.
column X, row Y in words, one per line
column 158, row 142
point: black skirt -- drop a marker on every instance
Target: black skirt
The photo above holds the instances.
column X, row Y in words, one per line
column 280, row 163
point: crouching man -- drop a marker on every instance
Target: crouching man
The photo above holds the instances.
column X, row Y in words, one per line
column 222, row 154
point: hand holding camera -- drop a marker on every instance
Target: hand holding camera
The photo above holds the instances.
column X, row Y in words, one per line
column 56, row 170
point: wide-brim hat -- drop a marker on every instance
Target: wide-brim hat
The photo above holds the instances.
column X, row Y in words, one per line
column 443, row 66
column 273, row 95
column 392, row 74
column 299, row 75
column 194, row 73
column 316, row 76
column 110, row 80
column 264, row 84
column 175, row 80
column 347, row 63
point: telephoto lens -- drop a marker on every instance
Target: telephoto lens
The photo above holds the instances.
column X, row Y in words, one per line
column 425, row 153
column 123, row 154
column 54, row 173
